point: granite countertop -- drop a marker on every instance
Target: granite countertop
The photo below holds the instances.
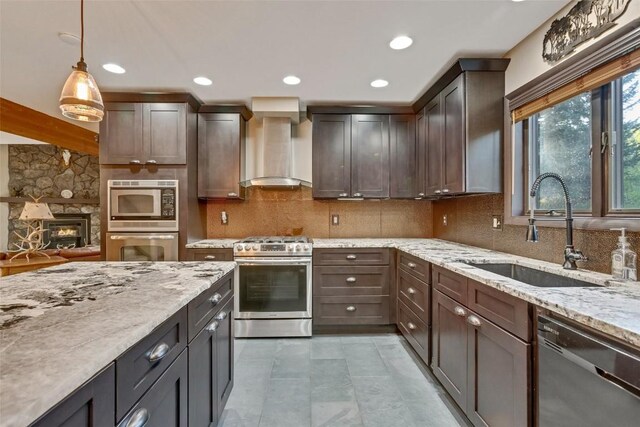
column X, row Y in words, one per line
column 613, row 307
column 61, row 325
column 212, row 244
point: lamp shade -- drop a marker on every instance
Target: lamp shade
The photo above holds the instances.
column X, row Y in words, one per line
column 35, row 211
column 80, row 98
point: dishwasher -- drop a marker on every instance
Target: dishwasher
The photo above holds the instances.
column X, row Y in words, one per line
column 584, row 380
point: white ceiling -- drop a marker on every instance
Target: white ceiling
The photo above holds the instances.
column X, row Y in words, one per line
column 246, row 47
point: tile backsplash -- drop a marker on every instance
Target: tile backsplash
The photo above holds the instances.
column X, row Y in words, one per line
column 285, row 212
column 469, row 221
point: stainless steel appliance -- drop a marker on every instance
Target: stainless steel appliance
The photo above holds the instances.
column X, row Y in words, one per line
column 142, row 205
column 273, row 287
column 584, row 380
column 142, row 246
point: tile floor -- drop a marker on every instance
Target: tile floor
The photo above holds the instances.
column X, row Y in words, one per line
column 364, row 380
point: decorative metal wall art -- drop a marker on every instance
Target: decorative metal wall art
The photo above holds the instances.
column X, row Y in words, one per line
column 586, row 20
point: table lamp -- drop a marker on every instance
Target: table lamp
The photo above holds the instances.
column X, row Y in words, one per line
column 33, row 213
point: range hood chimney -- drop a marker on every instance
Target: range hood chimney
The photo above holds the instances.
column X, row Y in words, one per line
column 275, row 160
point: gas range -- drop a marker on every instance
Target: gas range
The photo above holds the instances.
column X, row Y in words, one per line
column 273, row 246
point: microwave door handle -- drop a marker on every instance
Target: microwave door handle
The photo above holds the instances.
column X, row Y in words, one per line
column 133, row 236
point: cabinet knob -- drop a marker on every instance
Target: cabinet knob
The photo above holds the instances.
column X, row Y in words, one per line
column 411, row 291
column 221, row 316
column 135, row 162
column 411, row 326
column 420, row 194
column 412, row 265
column 158, row 352
column 437, row 191
column 138, row 419
column 357, row 194
column 351, row 308
column 459, row 311
column 215, row 299
column 343, row 195
column 474, row 321
column 210, row 257
column 351, row 279
column 351, row 257
column 151, row 162
column 213, row 326
column 232, row 194
column 445, row 191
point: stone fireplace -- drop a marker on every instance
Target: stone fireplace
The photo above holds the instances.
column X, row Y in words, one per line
column 66, row 231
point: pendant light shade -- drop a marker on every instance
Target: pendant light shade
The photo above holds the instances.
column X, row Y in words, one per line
column 80, row 98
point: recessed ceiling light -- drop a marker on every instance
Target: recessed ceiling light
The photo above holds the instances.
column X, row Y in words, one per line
column 114, row 68
column 401, row 42
column 517, row 1
column 202, row 81
column 379, row 83
column 69, row 38
column 291, row 80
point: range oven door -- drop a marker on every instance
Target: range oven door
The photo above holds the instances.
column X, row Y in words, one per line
column 274, row 288
column 142, row 247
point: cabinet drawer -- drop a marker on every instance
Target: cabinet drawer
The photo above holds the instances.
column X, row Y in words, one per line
column 450, row 284
column 143, row 363
column 210, row 254
column 351, row 256
column 415, row 294
column 361, row 280
column 506, row 311
column 415, row 331
column 416, row 266
column 203, row 307
column 165, row 404
column 359, row 310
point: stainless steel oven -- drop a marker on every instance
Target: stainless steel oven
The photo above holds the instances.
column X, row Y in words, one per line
column 142, row 246
column 273, row 293
column 142, row 205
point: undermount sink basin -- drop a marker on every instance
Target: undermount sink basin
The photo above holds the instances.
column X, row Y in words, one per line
column 533, row 277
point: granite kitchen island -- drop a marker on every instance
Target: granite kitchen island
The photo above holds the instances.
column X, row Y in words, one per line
column 62, row 325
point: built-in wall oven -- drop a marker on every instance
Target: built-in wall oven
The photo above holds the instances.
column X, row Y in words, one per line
column 142, row 246
column 142, row 205
column 273, row 287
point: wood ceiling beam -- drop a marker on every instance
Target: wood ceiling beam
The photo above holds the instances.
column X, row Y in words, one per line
column 24, row 121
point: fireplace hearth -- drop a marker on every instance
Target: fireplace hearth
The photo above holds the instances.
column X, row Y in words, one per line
column 67, row 230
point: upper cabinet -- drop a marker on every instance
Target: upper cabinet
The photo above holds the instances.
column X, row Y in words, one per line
column 331, row 135
column 404, row 158
column 221, row 154
column 370, row 155
column 135, row 131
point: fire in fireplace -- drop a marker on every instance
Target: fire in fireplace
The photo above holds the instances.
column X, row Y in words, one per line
column 67, row 230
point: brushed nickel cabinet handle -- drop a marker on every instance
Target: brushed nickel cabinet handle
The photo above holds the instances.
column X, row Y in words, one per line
column 151, row 162
column 138, row 419
column 411, row 326
column 412, row 265
column 343, row 195
column 351, row 257
column 357, row 194
column 351, row 308
column 221, row 316
column 210, row 257
column 351, row 279
column 215, row 299
column 411, row 291
column 158, row 352
column 213, row 326
column 232, row 194
column 420, row 194
column 445, row 191
column 474, row 321
column 135, row 162
column 437, row 191
column 459, row 311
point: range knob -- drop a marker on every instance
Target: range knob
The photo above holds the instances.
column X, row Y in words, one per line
column 298, row 247
column 240, row 248
column 290, row 248
column 256, row 247
column 306, row 247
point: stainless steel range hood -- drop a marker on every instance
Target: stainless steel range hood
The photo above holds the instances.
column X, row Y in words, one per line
column 274, row 160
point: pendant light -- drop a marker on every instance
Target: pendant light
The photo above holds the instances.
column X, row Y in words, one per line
column 80, row 98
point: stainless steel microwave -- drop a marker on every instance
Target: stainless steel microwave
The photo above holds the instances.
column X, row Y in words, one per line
column 142, row 205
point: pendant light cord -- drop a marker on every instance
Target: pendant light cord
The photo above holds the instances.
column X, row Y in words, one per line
column 82, row 30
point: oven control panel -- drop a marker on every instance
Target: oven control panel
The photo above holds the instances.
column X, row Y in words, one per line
column 272, row 249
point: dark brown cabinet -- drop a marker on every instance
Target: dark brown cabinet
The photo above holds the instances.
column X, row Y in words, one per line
column 403, row 158
column 370, row 155
column 93, row 405
column 221, row 154
column 485, row 368
column 331, row 153
column 144, row 133
column 210, row 254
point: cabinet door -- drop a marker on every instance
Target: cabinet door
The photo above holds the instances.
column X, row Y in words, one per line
column 121, row 134
column 224, row 356
column 331, row 152
column 164, row 131
column 403, row 160
column 165, row 403
column 453, row 113
column 449, row 356
column 498, row 392
column 219, row 155
column 93, row 405
column 421, row 153
column 370, row 155
column 433, row 147
column 203, row 380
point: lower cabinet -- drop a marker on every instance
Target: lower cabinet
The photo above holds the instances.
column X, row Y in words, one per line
column 485, row 369
column 201, row 254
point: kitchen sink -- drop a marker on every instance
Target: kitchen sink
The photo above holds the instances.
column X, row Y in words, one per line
column 533, row 277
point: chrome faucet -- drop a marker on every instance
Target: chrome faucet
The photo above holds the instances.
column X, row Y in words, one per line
column 570, row 254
